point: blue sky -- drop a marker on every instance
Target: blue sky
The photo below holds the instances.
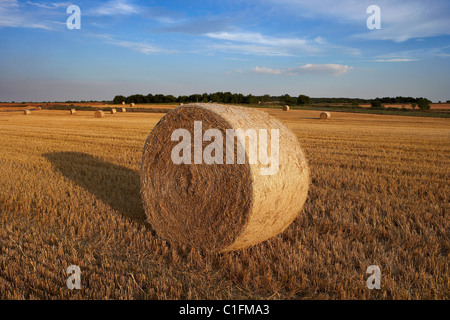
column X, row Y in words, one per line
column 317, row 48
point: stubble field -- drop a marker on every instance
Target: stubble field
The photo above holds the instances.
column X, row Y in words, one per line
column 379, row 195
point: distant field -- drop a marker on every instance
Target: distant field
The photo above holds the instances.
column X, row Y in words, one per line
column 20, row 106
column 70, row 195
column 150, row 107
column 433, row 106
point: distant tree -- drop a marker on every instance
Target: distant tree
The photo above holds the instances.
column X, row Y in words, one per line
column 423, row 104
column 355, row 103
column 287, row 99
column 413, row 106
column 169, row 99
column 302, row 99
column 195, row 98
column 251, row 99
column 158, row 98
column 265, row 98
column 182, row 99
column 214, row 97
column 376, row 104
column 227, row 97
column 236, row 98
column 119, row 99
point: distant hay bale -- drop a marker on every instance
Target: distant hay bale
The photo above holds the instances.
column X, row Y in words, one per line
column 99, row 114
column 73, row 111
column 38, row 108
column 325, row 115
column 123, row 103
column 26, row 112
column 221, row 207
column 131, row 104
column 123, row 109
column 286, row 108
column 181, row 104
column 113, row 111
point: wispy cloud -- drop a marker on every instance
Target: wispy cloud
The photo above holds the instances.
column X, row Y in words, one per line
column 115, row 7
column 15, row 15
column 395, row 60
column 266, row 70
column 258, row 44
column 257, row 38
column 47, row 5
column 249, row 49
column 333, row 69
column 199, row 26
column 414, row 54
column 400, row 20
column 139, row 46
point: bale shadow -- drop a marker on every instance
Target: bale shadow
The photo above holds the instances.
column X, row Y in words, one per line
column 115, row 185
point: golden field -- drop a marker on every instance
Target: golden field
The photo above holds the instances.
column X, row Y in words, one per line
column 379, row 195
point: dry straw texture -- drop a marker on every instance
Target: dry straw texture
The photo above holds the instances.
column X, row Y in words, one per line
column 113, row 111
column 325, row 115
column 73, row 111
column 123, row 109
column 131, row 104
column 221, row 207
column 99, row 114
column 123, row 103
column 26, row 112
column 286, row 108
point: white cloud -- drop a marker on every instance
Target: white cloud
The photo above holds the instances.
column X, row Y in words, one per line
column 258, row 44
column 19, row 15
column 8, row 11
column 52, row 5
column 400, row 20
column 414, row 54
column 140, row 46
column 265, row 70
column 334, row 69
column 396, row 60
column 251, row 49
column 116, row 7
column 257, row 38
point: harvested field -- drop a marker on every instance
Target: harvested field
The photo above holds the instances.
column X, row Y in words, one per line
column 379, row 195
column 433, row 106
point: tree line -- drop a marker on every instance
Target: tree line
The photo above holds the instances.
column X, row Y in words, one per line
column 219, row 97
column 239, row 98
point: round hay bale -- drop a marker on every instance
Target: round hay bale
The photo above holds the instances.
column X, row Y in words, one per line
column 123, row 103
column 226, row 205
column 38, row 108
column 181, row 104
column 123, row 109
column 132, row 105
column 26, row 112
column 113, row 111
column 73, row 111
column 99, row 114
column 325, row 115
column 286, row 108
